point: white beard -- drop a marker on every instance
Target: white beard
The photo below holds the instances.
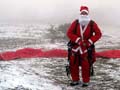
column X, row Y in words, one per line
column 84, row 19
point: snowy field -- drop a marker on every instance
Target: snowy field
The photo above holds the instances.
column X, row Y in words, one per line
column 49, row 73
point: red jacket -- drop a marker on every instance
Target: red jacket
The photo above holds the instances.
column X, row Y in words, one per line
column 86, row 33
column 92, row 38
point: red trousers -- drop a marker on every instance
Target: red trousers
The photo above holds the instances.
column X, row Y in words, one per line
column 75, row 62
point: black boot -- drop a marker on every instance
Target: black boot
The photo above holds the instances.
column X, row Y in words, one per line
column 74, row 83
column 85, row 84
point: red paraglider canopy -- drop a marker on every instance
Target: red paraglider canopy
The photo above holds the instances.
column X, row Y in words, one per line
column 109, row 54
column 31, row 52
column 8, row 55
column 28, row 53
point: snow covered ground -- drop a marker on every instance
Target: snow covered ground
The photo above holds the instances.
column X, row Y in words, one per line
column 49, row 73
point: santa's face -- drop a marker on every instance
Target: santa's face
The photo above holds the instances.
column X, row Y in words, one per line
column 83, row 13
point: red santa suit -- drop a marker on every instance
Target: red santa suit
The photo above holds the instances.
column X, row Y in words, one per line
column 82, row 34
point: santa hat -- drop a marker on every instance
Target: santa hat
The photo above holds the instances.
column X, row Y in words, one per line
column 84, row 8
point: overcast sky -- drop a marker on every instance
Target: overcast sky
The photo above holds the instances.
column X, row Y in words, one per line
column 58, row 11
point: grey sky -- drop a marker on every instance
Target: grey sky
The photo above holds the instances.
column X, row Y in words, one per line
column 57, row 11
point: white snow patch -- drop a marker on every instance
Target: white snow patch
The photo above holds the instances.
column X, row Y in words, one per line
column 24, row 73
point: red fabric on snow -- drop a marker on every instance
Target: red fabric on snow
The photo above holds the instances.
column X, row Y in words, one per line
column 109, row 54
column 1, row 57
column 8, row 55
column 30, row 52
column 55, row 53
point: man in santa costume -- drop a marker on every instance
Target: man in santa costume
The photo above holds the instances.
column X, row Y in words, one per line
column 83, row 37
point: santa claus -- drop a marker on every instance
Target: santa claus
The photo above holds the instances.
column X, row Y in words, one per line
column 83, row 32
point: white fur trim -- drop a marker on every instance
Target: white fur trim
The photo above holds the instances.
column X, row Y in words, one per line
column 85, row 51
column 91, row 42
column 76, row 50
column 76, row 41
column 81, row 52
column 82, row 31
column 84, row 11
